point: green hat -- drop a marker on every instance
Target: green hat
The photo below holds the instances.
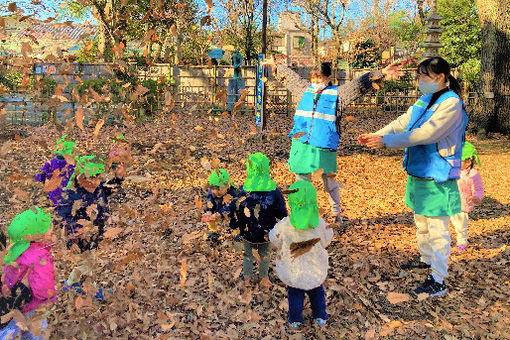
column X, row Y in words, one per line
column 468, row 151
column 259, row 178
column 65, row 146
column 89, row 165
column 119, row 138
column 24, row 224
column 219, row 177
column 304, row 212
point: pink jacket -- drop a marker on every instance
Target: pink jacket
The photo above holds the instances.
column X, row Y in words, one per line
column 470, row 185
column 37, row 264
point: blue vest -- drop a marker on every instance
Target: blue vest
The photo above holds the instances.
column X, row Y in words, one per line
column 424, row 161
column 316, row 123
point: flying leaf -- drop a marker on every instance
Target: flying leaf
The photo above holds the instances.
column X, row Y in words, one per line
column 79, row 117
column 54, row 182
column 98, row 127
column 183, row 272
column 303, row 247
column 298, row 135
column 12, row 7
column 349, row 118
column 198, row 202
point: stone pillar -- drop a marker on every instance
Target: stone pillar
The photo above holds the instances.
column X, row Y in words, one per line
column 433, row 30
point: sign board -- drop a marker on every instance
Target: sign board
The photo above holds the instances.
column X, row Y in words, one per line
column 260, row 91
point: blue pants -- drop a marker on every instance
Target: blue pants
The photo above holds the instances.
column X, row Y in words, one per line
column 11, row 331
column 296, row 301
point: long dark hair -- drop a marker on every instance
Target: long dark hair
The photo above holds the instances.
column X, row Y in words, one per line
column 438, row 65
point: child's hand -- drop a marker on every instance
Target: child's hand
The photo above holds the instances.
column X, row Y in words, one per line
column 6, row 292
column 208, row 217
column 119, row 171
column 476, row 200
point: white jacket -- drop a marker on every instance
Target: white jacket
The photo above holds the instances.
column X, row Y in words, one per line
column 307, row 271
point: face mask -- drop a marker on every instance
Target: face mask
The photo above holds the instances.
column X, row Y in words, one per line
column 428, row 87
column 317, row 87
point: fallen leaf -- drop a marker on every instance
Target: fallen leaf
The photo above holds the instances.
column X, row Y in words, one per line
column 395, row 298
column 112, row 233
column 183, row 272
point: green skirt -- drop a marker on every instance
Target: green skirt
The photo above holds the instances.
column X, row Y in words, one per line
column 306, row 158
column 431, row 198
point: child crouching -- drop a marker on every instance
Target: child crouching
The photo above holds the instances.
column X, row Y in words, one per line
column 29, row 279
column 302, row 260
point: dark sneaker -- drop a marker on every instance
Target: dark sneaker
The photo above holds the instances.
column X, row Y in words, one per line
column 431, row 287
column 415, row 263
column 342, row 228
column 213, row 237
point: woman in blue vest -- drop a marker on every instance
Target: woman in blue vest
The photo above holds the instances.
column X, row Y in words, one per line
column 316, row 131
column 432, row 131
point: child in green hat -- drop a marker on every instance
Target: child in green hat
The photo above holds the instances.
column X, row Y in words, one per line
column 59, row 165
column 302, row 260
column 87, row 201
column 221, row 199
column 471, row 193
column 258, row 212
column 29, row 261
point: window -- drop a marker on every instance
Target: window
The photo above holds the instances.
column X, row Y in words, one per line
column 298, row 42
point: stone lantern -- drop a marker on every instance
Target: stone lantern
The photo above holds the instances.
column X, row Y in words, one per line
column 433, row 30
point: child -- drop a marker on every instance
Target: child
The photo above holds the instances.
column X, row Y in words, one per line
column 220, row 202
column 471, row 193
column 302, row 260
column 120, row 153
column 257, row 214
column 87, row 202
column 29, row 279
column 65, row 148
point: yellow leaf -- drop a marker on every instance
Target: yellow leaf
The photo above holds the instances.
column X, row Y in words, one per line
column 79, row 117
column 183, row 272
column 98, row 127
column 198, row 128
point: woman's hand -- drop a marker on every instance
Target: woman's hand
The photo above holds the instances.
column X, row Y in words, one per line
column 271, row 63
column 371, row 140
column 394, row 70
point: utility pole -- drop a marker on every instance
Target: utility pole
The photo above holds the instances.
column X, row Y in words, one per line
column 264, row 51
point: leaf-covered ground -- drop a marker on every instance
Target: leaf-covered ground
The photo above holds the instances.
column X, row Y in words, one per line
column 169, row 283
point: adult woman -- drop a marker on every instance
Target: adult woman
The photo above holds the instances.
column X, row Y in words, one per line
column 316, row 131
column 432, row 131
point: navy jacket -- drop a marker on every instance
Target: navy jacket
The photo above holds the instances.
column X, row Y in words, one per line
column 263, row 208
column 86, row 199
column 216, row 205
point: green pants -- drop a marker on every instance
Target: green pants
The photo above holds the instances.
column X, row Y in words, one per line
column 263, row 250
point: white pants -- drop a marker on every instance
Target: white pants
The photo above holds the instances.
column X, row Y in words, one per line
column 433, row 236
column 460, row 222
column 330, row 186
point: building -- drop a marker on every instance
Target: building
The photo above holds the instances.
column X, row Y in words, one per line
column 292, row 42
column 43, row 38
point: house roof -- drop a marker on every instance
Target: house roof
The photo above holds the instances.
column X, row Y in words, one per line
column 57, row 31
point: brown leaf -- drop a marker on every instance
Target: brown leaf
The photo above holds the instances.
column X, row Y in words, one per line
column 395, row 324
column 299, row 135
column 22, row 195
column 98, row 127
column 112, row 232
column 12, row 7
column 395, row 298
column 183, row 272
column 79, row 117
column 303, row 247
column 198, row 202
column 78, row 303
column 54, row 182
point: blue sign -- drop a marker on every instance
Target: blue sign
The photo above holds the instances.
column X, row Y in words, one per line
column 260, row 91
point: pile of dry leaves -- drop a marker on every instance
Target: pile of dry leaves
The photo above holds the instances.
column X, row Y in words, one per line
column 168, row 282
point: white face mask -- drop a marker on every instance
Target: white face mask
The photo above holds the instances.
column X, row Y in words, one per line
column 317, row 87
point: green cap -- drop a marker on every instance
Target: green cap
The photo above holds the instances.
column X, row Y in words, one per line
column 258, row 178
column 304, row 212
column 219, row 177
column 65, row 146
column 24, row 224
column 468, row 151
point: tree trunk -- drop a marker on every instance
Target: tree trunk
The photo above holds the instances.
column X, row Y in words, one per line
column 493, row 112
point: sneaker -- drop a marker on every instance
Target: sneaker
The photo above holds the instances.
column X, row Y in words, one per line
column 321, row 322
column 213, row 237
column 415, row 263
column 293, row 325
column 431, row 287
column 460, row 248
column 341, row 226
